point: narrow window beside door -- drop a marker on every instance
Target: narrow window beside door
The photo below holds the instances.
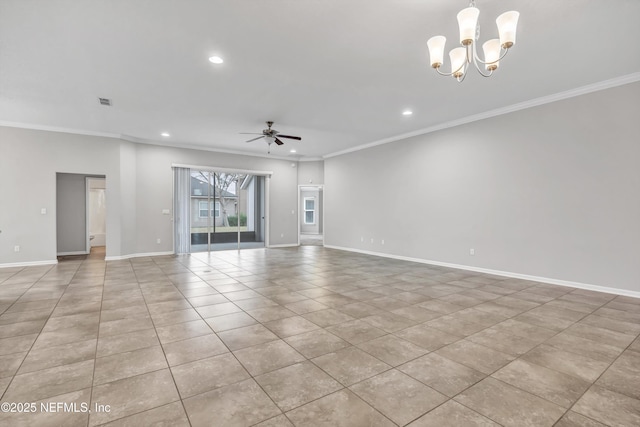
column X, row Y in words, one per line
column 309, row 210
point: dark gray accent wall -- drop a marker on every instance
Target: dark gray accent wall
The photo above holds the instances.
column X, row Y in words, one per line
column 71, row 222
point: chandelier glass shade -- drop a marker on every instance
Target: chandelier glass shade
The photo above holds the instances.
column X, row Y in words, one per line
column 463, row 57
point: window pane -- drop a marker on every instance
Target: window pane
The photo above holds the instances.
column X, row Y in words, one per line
column 308, row 217
column 202, row 207
column 309, row 204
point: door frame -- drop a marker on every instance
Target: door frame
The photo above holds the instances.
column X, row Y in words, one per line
column 267, row 179
column 320, row 218
column 87, row 211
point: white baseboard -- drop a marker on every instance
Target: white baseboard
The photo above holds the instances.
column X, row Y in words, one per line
column 286, row 245
column 28, row 264
column 121, row 257
column 73, row 253
column 597, row 288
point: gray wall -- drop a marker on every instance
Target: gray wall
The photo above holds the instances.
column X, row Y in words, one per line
column 71, row 206
column 551, row 191
column 29, row 162
column 311, row 173
column 130, row 198
column 155, row 181
column 139, row 185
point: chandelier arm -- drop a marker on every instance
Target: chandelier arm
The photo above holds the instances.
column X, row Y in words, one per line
column 492, row 62
column 493, row 46
column 474, row 54
column 443, row 74
column 476, row 59
column 483, row 74
column 451, row 73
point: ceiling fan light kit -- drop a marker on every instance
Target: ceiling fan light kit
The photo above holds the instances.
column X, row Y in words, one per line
column 270, row 136
column 462, row 57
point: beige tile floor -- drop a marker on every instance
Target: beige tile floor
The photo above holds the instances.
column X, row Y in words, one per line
column 309, row 337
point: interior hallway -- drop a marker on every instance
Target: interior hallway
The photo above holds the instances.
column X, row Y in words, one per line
column 311, row 239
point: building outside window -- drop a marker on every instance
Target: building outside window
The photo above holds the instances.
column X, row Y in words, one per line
column 202, row 208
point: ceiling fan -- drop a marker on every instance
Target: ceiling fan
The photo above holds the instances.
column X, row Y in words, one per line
column 270, row 135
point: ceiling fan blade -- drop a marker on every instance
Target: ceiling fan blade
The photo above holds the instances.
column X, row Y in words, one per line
column 278, row 141
column 289, row 136
column 249, row 133
column 260, row 137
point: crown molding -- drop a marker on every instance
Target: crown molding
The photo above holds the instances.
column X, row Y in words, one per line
column 135, row 140
column 203, row 148
column 32, row 126
column 583, row 90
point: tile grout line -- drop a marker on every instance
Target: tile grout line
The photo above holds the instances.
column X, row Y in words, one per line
column 95, row 355
column 21, row 269
column 238, row 361
column 351, row 345
column 257, row 269
column 543, row 343
column 43, row 325
column 306, row 359
column 593, row 383
column 162, row 347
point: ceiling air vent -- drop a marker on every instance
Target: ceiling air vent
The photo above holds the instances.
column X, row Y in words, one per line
column 105, row 101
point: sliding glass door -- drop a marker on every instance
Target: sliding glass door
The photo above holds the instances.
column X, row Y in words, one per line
column 227, row 211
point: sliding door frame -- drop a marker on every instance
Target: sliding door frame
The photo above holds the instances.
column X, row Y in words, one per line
column 267, row 179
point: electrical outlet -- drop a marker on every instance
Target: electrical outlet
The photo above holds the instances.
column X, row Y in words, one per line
column 158, row 240
column 382, row 242
column 281, row 235
column 372, row 240
column 361, row 239
column 472, row 251
column 43, row 211
column 16, row 248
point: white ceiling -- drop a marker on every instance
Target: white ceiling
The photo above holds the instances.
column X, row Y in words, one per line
column 339, row 73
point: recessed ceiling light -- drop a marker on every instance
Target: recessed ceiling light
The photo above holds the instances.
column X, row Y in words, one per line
column 216, row 60
column 407, row 112
column 165, row 134
column 292, row 151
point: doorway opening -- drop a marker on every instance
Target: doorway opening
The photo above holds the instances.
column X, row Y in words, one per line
column 227, row 210
column 310, row 222
column 81, row 213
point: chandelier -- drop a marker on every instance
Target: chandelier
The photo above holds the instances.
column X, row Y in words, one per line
column 462, row 57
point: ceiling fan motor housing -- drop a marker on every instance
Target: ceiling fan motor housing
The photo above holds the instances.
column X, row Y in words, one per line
column 272, row 135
